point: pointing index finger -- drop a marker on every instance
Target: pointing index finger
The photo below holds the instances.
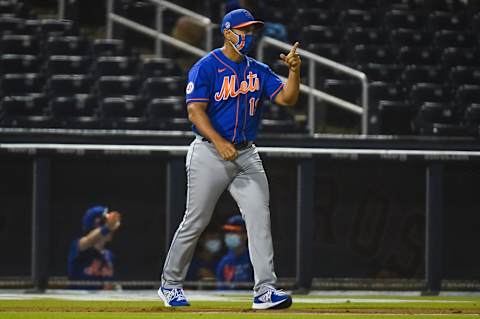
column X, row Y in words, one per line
column 294, row 48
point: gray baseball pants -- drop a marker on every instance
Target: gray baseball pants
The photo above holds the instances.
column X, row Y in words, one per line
column 208, row 175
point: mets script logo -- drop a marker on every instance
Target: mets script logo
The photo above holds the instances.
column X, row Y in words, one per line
column 229, row 83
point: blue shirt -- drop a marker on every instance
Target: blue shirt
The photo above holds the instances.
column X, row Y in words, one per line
column 233, row 268
column 90, row 264
column 233, row 91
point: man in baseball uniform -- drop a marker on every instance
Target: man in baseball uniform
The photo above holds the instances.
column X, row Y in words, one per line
column 223, row 95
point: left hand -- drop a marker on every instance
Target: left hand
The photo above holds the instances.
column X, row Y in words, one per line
column 292, row 59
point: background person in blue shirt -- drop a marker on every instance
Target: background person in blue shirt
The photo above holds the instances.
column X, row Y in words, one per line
column 88, row 258
column 235, row 266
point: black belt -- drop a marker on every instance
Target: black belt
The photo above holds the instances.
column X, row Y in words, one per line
column 239, row 146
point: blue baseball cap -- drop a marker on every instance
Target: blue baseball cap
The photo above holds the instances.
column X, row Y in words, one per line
column 93, row 216
column 239, row 18
column 235, row 224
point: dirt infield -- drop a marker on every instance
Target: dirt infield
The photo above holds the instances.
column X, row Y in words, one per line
column 399, row 311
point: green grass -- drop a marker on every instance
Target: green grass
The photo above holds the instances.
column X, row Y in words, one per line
column 420, row 307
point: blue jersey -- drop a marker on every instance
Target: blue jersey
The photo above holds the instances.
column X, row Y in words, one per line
column 90, row 264
column 233, row 268
column 233, row 91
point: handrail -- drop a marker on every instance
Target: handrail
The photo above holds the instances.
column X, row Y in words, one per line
column 206, row 22
column 162, row 5
column 154, row 34
column 310, row 89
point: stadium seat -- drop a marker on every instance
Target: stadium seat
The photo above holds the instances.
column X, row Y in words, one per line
column 155, row 67
column 360, row 18
column 409, row 37
column 313, row 16
column 373, row 54
column 168, row 113
column 11, row 25
column 18, row 63
column 64, row 84
column 333, row 52
column 445, row 5
column 385, row 91
column 395, row 117
column 19, row 44
column 19, row 84
column 438, row 119
column 70, row 45
column 418, row 73
column 126, row 112
column 358, row 4
column 109, row 47
column 25, row 111
column 77, row 105
column 55, row 27
column 321, row 34
column 419, row 56
column 315, row 4
column 381, row 72
column 345, row 89
column 464, row 75
column 66, row 64
column 441, row 20
column 276, row 119
column 458, row 56
column 357, row 35
column 472, row 119
column 396, row 19
column 164, row 86
column 110, row 86
column 467, row 94
column 115, row 65
column 447, row 38
column 32, row 27
column 428, row 92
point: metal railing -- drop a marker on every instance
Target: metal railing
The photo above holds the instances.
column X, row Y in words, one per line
column 314, row 93
column 158, row 33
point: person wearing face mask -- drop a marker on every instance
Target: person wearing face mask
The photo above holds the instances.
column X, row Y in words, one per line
column 206, row 257
column 235, row 266
column 88, row 258
column 224, row 95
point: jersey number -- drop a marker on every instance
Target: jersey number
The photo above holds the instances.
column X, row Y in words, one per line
column 253, row 105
